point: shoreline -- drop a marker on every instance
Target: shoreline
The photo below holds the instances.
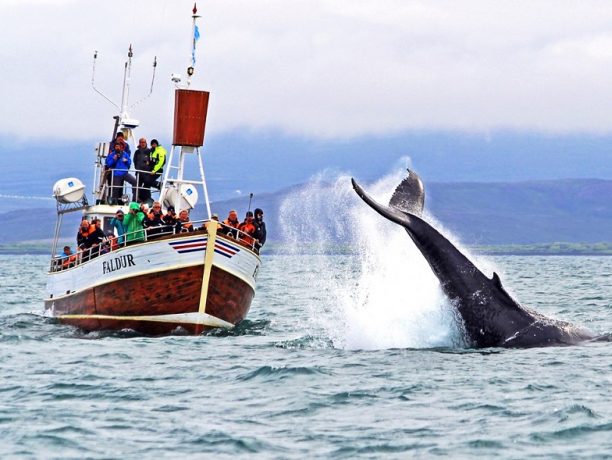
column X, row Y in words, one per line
column 552, row 249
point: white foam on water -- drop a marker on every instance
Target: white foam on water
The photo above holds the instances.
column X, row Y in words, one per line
column 385, row 295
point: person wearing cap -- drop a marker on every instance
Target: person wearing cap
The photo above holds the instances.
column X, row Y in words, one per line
column 133, row 224
column 158, row 159
column 120, row 137
column 260, row 228
column 119, row 226
column 119, row 162
column 215, row 217
column 169, row 219
column 231, row 222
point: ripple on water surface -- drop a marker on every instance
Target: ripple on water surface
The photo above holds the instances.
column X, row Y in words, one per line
column 309, row 375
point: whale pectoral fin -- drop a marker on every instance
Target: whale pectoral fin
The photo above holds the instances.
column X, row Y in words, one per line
column 409, row 195
column 392, row 214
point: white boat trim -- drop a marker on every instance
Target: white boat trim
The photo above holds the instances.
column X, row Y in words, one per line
column 203, row 319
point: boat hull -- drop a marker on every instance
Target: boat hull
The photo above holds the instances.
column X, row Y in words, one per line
column 156, row 301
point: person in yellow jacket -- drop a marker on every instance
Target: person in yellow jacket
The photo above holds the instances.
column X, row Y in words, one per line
column 158, row 159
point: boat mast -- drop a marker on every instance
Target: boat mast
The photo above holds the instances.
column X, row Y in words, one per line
column 125, row 92
column 191, row 107
column 123, row 121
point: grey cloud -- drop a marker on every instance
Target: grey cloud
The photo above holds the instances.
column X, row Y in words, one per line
column 328, row 69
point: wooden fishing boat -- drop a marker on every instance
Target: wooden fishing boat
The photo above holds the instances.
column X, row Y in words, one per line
column 165, row 279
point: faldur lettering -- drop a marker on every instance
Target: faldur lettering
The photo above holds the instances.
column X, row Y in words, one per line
column 118, row 263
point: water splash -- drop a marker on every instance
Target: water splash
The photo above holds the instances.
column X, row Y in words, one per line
column 382, row 294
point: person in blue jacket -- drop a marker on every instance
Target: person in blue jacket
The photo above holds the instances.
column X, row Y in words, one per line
column 117, row 223
column 119, row 162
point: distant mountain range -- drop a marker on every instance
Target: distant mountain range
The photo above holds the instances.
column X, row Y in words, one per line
column 249, row 161
column 569, row 210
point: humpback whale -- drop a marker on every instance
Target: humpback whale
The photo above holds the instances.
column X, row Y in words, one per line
column 490, row 316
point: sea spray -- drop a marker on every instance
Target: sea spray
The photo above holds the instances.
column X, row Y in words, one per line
column 383, row 295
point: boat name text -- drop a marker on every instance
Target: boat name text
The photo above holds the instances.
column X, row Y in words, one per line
column 118, row 263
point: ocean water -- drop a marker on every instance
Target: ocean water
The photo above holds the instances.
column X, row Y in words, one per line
column 306, row 376
column 345, row 354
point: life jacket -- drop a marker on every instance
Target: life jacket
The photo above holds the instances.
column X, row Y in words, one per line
column 114, row 244
column 69, row 261
column 231, row 223
column 248, row 230
column 83, row 235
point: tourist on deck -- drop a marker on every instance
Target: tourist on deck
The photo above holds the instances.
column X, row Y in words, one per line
column 231, row 223
column 119, row 226
column 143, row 166
column 119, row 162
column 67, row 258
column 184, row 225
column 154, row 222
column 112, row 242
column 82, row 234
column 215, row 217
column 158, row 159
column 169, row 218
column 260, row 228
column 95, row 238
column 120, row 137
column 247, row 228
column 133, row 224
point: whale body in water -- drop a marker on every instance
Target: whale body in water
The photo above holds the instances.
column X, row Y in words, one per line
column 491, row 317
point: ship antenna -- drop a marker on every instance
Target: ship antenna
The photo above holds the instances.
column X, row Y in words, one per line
column 125, row 93
column 250, row 199
column 151, row 89
column 93, row 85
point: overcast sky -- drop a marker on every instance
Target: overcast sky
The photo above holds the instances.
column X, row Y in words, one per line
column 313, row 68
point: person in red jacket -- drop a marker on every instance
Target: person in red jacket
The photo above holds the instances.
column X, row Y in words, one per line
column 248, row 229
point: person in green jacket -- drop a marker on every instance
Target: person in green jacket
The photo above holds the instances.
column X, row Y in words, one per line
column 158, row 158
column 132, row 223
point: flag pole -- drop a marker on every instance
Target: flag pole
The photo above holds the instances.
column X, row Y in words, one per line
column 195, row 33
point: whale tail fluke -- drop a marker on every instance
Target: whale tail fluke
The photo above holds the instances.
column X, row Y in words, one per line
column 391, row 213
column 409, row 195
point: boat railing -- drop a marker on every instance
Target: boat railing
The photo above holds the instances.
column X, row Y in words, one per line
column 148, row 234
column 142, row 182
